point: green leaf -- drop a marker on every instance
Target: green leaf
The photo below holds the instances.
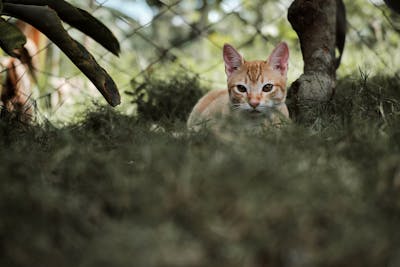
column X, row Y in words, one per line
column 45, row 19
column 11, row 38
column 79, row 19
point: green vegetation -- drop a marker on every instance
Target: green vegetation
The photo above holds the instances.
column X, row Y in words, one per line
column 113, row 190
column 171, row 98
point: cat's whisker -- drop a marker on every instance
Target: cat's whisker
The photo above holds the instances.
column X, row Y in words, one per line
column 262, row 108
column 235, row 106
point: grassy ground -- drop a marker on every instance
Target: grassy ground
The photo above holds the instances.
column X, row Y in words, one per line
column 114, row 190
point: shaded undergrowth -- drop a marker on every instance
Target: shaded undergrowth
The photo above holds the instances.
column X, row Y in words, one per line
column 115, row 190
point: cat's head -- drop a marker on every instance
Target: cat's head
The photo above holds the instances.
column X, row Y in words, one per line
column 256, row 86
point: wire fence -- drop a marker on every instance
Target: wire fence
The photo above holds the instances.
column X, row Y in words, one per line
column 186, row 36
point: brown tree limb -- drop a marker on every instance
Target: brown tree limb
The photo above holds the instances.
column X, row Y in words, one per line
column 79, row 19
column 46, row 20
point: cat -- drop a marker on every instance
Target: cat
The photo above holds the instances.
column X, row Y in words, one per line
column 256, row 90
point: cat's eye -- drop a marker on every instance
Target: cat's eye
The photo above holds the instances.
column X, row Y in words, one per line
column 268, row 87
column 241, row 88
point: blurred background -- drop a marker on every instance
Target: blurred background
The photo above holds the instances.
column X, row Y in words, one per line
column 161, row 39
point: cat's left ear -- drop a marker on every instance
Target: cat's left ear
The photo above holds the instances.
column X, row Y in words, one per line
column 279, row 58
column 233, row 60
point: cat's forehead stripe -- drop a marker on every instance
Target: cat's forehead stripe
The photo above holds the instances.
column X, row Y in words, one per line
column 255, row 71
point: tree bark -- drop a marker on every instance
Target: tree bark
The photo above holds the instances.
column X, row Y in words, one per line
column 315, row 23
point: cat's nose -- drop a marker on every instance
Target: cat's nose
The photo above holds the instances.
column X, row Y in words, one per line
column 254, row 103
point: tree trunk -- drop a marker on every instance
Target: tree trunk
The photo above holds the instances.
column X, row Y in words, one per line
column 315, row 23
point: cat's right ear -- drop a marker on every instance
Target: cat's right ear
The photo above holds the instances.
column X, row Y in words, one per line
column 233, row 60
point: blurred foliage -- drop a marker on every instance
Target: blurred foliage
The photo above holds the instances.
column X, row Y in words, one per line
column 169, row 98
column 112, row 190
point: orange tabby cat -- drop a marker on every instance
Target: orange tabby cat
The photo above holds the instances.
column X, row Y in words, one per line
column 256, row 89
